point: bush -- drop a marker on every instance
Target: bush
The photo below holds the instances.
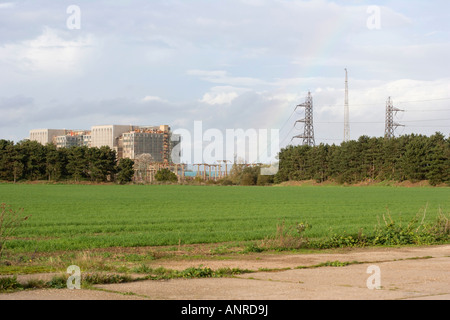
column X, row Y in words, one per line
column 226, row 182
column 264, row 180
column 165, row 175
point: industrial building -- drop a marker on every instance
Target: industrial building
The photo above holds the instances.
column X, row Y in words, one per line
column 108, row 135
column 45, row 136
column 73, row 139
column 127, row 140
column 147, row 140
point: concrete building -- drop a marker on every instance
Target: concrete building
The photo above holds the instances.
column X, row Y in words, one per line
column 45, row 136
column 67, row 141
column 108, row 135
column 128, row 141
column 146, row 140
column 73, row 139
column 87, row 139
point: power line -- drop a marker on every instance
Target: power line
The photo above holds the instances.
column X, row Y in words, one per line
column 378, row 122
column 287, row 121
column 426, row 100
column 437, row 110
column 382, row 103
column 428, row 126
column 427, row 120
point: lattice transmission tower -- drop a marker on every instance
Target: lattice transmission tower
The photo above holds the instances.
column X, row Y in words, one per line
column 346, row 111
column 391, row 125
column 308, row 121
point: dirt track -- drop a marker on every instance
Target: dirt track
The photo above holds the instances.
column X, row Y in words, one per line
column 405, row 273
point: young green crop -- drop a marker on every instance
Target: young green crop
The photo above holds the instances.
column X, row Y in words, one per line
column 77, row 217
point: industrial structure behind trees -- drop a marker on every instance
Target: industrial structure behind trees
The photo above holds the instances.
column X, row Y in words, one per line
column 128, row 141
column 149, row 147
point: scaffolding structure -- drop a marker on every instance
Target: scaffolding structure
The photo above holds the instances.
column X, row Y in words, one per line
column 145, row 172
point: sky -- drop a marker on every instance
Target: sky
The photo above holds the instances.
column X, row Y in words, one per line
column 231, row 64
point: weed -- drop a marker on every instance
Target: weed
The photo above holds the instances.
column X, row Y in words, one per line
column 197, row 273
column 98, row 278
column 392, row 233
column 57, row 282
column 227, row 272
column 142, row 269
column 8, row 284
column 287, row 237
column 252, row 247
column 330, row 264
column 10, row 220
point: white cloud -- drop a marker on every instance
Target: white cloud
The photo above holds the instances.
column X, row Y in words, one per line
column 219, row 98
column 7, row 5
column 153, row 98
column 249, row 62
column 220, row 95
column 223, row 77
column 48, row 53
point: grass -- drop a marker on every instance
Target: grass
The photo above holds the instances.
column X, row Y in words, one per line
column 11, row 284
column 83, row 217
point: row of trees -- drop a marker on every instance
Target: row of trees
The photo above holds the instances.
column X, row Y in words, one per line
column 29, row 160
column 409, row 157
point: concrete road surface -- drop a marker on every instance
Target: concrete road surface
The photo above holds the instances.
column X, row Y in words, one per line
column 379, row 274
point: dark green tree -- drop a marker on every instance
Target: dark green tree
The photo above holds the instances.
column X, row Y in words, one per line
column 101, row 163
column 56, row 162
column 125, row 171
column 33, row 157
column 77, row 163
column 409, row 157
column 6, row 160
column 438, row 162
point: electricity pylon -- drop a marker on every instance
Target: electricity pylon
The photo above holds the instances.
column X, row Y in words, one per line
column 308, row 133
column 390, row 126
column 346, row 111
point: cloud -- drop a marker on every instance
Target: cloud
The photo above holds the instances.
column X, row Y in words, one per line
column 222, row 95
column 7, row 5
column 246, row 63
column 14, row 110
column 153, row 98
column 52, row 52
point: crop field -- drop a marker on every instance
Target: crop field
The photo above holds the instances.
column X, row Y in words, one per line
column 79, row 217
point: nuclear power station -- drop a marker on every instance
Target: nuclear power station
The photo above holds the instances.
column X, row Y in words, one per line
column 128, row 141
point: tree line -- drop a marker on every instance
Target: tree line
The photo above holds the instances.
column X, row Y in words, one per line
column 406, row 158
column 30, row 160
column 409, row 157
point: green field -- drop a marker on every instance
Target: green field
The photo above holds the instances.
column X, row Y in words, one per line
column 78, row 217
